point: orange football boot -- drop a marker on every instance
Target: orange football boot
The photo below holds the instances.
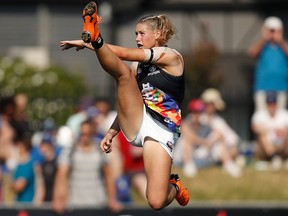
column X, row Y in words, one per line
column 91, row 22
column 182, row 195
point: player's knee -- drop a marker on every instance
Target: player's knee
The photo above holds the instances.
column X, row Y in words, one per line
column 126, row 78
column 156, row 203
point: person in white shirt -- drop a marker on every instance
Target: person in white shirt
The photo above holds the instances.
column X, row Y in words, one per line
column 226, row 149
column 270, row 127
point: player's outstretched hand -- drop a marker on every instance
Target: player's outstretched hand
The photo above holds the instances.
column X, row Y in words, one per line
column 67, row 44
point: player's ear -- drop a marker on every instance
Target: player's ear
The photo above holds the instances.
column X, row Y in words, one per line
column 157, row 34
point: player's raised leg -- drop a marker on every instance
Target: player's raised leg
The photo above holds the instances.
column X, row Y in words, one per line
column 129, row 99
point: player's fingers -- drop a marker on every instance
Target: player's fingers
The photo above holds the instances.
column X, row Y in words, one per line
column 108, row 148
column 108, row 151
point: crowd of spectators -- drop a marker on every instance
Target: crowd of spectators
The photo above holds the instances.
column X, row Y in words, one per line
column 207, row 138
column 63, row 166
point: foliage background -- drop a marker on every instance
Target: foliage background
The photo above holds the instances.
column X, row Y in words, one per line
column 53, row 92
column 201, row 66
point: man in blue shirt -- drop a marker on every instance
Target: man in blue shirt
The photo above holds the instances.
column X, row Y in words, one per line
column 272, row 65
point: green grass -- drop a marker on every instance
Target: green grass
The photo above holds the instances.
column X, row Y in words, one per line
column 213, row 184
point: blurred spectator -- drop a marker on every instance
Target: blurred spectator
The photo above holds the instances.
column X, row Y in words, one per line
column 24, row 178
column 105, row 119
column 100, row 120
column 7, row 151
column 270, row 127
column 196, row 137
column 213, row 104
column 74, row 121
column 20, row 120
column 230, row 140
column 79, row 179
column 272, row 65
column 43, row 157
column 48, row 166
column 201, row 145
column 133, row 175
column 108, row 115
column 97, row 120
column 7, row 132
column 49, row 131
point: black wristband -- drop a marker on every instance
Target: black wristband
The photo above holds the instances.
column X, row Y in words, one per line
column 98, row 43
column 151, row 56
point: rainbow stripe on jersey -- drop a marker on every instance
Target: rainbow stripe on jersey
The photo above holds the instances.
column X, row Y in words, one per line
column 161, row 103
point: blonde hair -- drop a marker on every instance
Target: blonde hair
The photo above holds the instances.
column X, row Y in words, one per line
column 161, row 23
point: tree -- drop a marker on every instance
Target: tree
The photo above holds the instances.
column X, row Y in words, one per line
column 200, row 66
column 53, row 92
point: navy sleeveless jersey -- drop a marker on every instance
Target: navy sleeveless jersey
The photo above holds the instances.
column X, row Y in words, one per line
column 162, row 94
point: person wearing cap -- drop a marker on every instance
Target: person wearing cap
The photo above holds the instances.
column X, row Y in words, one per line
column 201, row 145
column 195, row 136
column 271, row 73
column 214, row 104
column 270, row 128
column 228, row 147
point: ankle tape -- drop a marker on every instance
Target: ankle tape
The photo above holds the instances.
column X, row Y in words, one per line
column 98, row 43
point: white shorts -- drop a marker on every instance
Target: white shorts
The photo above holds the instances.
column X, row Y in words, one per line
column 157, row 131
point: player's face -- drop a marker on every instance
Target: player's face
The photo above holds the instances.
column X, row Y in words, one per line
column 145, row 36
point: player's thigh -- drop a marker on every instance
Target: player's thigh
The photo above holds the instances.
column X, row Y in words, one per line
column 129, row 105
column 158, row 168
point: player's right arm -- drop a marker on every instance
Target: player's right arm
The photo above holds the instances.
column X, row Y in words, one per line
column 106, row 142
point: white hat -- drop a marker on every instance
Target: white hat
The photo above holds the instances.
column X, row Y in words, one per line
column 273, row 23
column 212, row 95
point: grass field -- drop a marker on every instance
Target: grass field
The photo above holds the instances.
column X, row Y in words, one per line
column 213, row 184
